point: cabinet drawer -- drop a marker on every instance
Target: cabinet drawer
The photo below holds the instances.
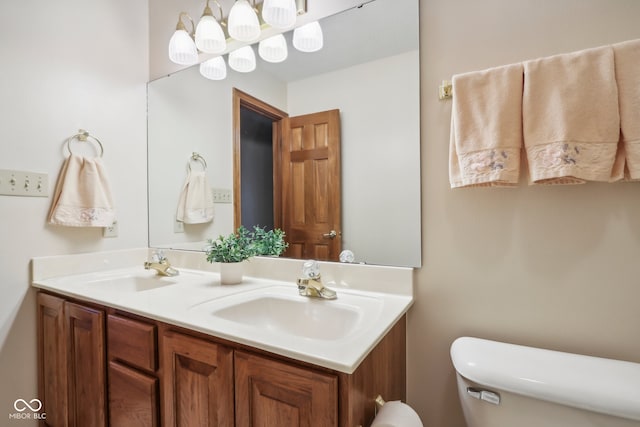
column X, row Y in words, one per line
column 132, row 342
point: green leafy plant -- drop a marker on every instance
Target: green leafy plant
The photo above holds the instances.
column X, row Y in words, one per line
column 235, row 247
column 268, row 242
column 243, row 244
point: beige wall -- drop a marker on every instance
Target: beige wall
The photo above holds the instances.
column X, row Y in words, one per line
column 554, row 267
column 66, row 65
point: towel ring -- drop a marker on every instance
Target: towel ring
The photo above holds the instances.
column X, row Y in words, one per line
column 195, row 157
column 82, row 136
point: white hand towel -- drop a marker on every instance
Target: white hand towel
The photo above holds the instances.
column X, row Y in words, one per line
column 486, row 128
column 82, row 196
column 570, row 117
column 627, row 63
column 195, row 205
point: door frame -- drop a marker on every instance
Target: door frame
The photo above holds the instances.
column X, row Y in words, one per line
column 243, row 99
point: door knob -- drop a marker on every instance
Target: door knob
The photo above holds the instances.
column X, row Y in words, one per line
column 330, row 235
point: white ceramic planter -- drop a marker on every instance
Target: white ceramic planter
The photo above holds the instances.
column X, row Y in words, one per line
column 231, row 273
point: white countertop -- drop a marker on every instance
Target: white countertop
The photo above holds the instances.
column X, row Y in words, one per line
column 379, row 297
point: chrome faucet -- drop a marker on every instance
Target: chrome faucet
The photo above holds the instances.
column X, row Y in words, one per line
column 161, row 264
column 310, row 285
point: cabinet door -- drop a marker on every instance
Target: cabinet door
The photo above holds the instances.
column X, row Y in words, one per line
column 133, row 397
column 197, row 382
column 52, row 360
column 271, row 393
column 87, row 396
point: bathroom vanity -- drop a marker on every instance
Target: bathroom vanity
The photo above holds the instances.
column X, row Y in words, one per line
column 153, row 354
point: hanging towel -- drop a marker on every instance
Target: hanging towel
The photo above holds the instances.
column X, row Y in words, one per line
column 570, row 117
column 627, row 66
column 82, row 197
column 486, row 128
column 195, row 205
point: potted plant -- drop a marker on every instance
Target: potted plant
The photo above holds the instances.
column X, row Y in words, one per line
column 268, row 242
column 230, row 251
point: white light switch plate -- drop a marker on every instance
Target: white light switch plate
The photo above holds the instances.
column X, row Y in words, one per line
column 221, row 195
column 23, row 183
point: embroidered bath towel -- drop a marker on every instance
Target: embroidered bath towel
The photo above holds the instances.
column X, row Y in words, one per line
column 195, row 205
column 570, row 117
column 486, row 128
column 627, row 66
column 82, row 197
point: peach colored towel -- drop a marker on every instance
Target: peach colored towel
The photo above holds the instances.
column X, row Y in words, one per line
column 82, row 196
column 627, row 65
column 570, row 117
column 486, row 128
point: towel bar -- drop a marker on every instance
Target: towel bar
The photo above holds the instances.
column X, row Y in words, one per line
column 197, row 157
column 445, row 90
column 83, row 136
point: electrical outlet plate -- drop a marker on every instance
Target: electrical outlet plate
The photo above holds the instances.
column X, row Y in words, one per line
column 111, row 231
column 23, row 183
column 221, row 195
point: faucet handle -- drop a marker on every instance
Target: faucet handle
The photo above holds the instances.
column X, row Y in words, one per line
column 158, row 256
column 311, row 269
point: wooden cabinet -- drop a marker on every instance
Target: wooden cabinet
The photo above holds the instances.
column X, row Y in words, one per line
column 273, row 393
column 132, row 371
column 197, row 382
column 133, row 397
column 133, row 386
column 52, row 360
column 72, row 363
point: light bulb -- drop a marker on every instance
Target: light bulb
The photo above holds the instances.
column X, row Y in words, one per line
column 209, row 35
column 273, row 49
column 308, row 38
column 243, row 60
column 279, row 13
column 243, row 22
column 214, row 68
column 182, row 49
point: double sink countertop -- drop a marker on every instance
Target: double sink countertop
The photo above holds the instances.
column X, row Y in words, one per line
column 264, row 311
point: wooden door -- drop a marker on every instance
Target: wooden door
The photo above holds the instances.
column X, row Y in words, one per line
column 87, row 371
column 271, row 393
column 197, row 381
column 311, row 185
column 52, row 360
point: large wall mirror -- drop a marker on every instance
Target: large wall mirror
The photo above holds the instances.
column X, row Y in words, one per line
column 368, row 70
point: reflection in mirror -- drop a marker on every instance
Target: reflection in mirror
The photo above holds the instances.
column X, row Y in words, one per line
column 368, row 70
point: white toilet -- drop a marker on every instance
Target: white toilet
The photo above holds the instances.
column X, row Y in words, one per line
column 507, row 385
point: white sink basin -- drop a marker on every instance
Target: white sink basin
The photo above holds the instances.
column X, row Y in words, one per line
column 280, row 310
column 133, row 283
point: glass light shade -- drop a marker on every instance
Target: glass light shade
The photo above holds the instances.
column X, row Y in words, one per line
column 243, row 22
column 279, row 13
column 243, row 60
column 214, row 68
column 209, row 35
column 273, row 49
column 182, row 49
column 308, row 38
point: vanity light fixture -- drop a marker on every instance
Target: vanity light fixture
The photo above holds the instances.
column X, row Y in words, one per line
column 214, row 68
column 243, row 60
column 279, row 13
column 182, row 48
column 273, row 49
column 243, row 22
column 210, row 37
column 308, row 38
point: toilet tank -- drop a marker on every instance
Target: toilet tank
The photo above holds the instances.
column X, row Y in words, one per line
column 507, row 385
